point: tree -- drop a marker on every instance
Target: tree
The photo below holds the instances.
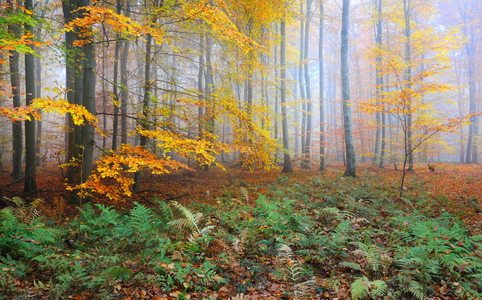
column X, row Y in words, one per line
column 379, row 82
column 416, row 75
column 347, row 124
column 146, row 98
column 309, row 104
column 407, row 12
column 468, row 10
column 322, row 89
column 89, row 82
column 287, row 167
column 14, row 32
column 30, row 137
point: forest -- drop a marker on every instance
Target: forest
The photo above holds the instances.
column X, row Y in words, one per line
column 240, row 149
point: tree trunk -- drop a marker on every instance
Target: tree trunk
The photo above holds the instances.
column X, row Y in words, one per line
column 17, row 134
column 294, row 75
column 30, row 142
column 209, row 90
column 200, row 84
column 471, row 156
column 74, row 64
column 124, row 95
column 309, row 104
column 276, row 98
column 301, row 78
column 38, row 94
column 347, row 124
column 115, row 129
column 322, row 89
column 287, row 167
column 408, row 78
column 89, row 82
column 378, row 38
column 145, row 105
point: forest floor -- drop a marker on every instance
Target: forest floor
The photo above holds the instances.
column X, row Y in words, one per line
column 256, row 235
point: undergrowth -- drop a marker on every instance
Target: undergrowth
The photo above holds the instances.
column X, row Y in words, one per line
column 316, row 238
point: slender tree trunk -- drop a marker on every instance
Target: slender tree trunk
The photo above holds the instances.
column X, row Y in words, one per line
column 30, row 143
column 209, row 90
column 70, row 74
column 309, row 103
column 287, row 167
column 115, row 84
column 17, row 134
column 471, row 155
column 294, row 75
column 276, row 97
column 301, row 78
column 145, row 105
column 200, row 84
column 38, row 94
column 124, row 94
column 322, row 89
column 104, row 95
column 408, row 78
column 349, row 148
column 379, row 80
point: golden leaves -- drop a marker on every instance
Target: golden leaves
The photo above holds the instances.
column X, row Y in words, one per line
column 127, row 27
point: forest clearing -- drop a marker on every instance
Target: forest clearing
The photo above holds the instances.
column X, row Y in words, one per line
column 240, row 149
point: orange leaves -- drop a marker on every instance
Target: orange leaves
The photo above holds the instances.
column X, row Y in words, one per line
column 219, row 21
column 111, row 177
column 39, row 106
column 118, row 23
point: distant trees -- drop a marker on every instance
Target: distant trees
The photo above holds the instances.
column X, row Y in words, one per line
column 197, row 80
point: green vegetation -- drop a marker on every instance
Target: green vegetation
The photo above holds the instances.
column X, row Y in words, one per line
column 312, row 238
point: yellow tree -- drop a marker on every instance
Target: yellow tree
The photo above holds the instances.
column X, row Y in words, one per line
column 163, row 125
column 414, row 65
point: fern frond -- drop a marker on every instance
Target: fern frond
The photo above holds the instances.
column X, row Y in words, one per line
column 418, row 290
column 351, row 265
column 363, row 288
column 374, row 256
column 359, row 288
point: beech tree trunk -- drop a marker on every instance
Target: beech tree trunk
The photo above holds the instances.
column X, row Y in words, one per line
column 309, row 104
column 378, row 41
column 301, row 78
column 408, row 78
column 17, row 134
column 471, row 151
column 322, row 89
column 124, row 95
column 115, row 92
column 89, row 83
column 347, row 124
column 276, row 94
column 30, row 138
column 287, row 167
column 145, row 105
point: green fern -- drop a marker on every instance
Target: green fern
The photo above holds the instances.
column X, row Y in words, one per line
column 376, row 258
column 363, row 288
column 191, row 222
column 418, row 290
column 351, row 265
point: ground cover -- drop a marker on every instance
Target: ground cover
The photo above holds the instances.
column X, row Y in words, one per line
column 261, row 235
